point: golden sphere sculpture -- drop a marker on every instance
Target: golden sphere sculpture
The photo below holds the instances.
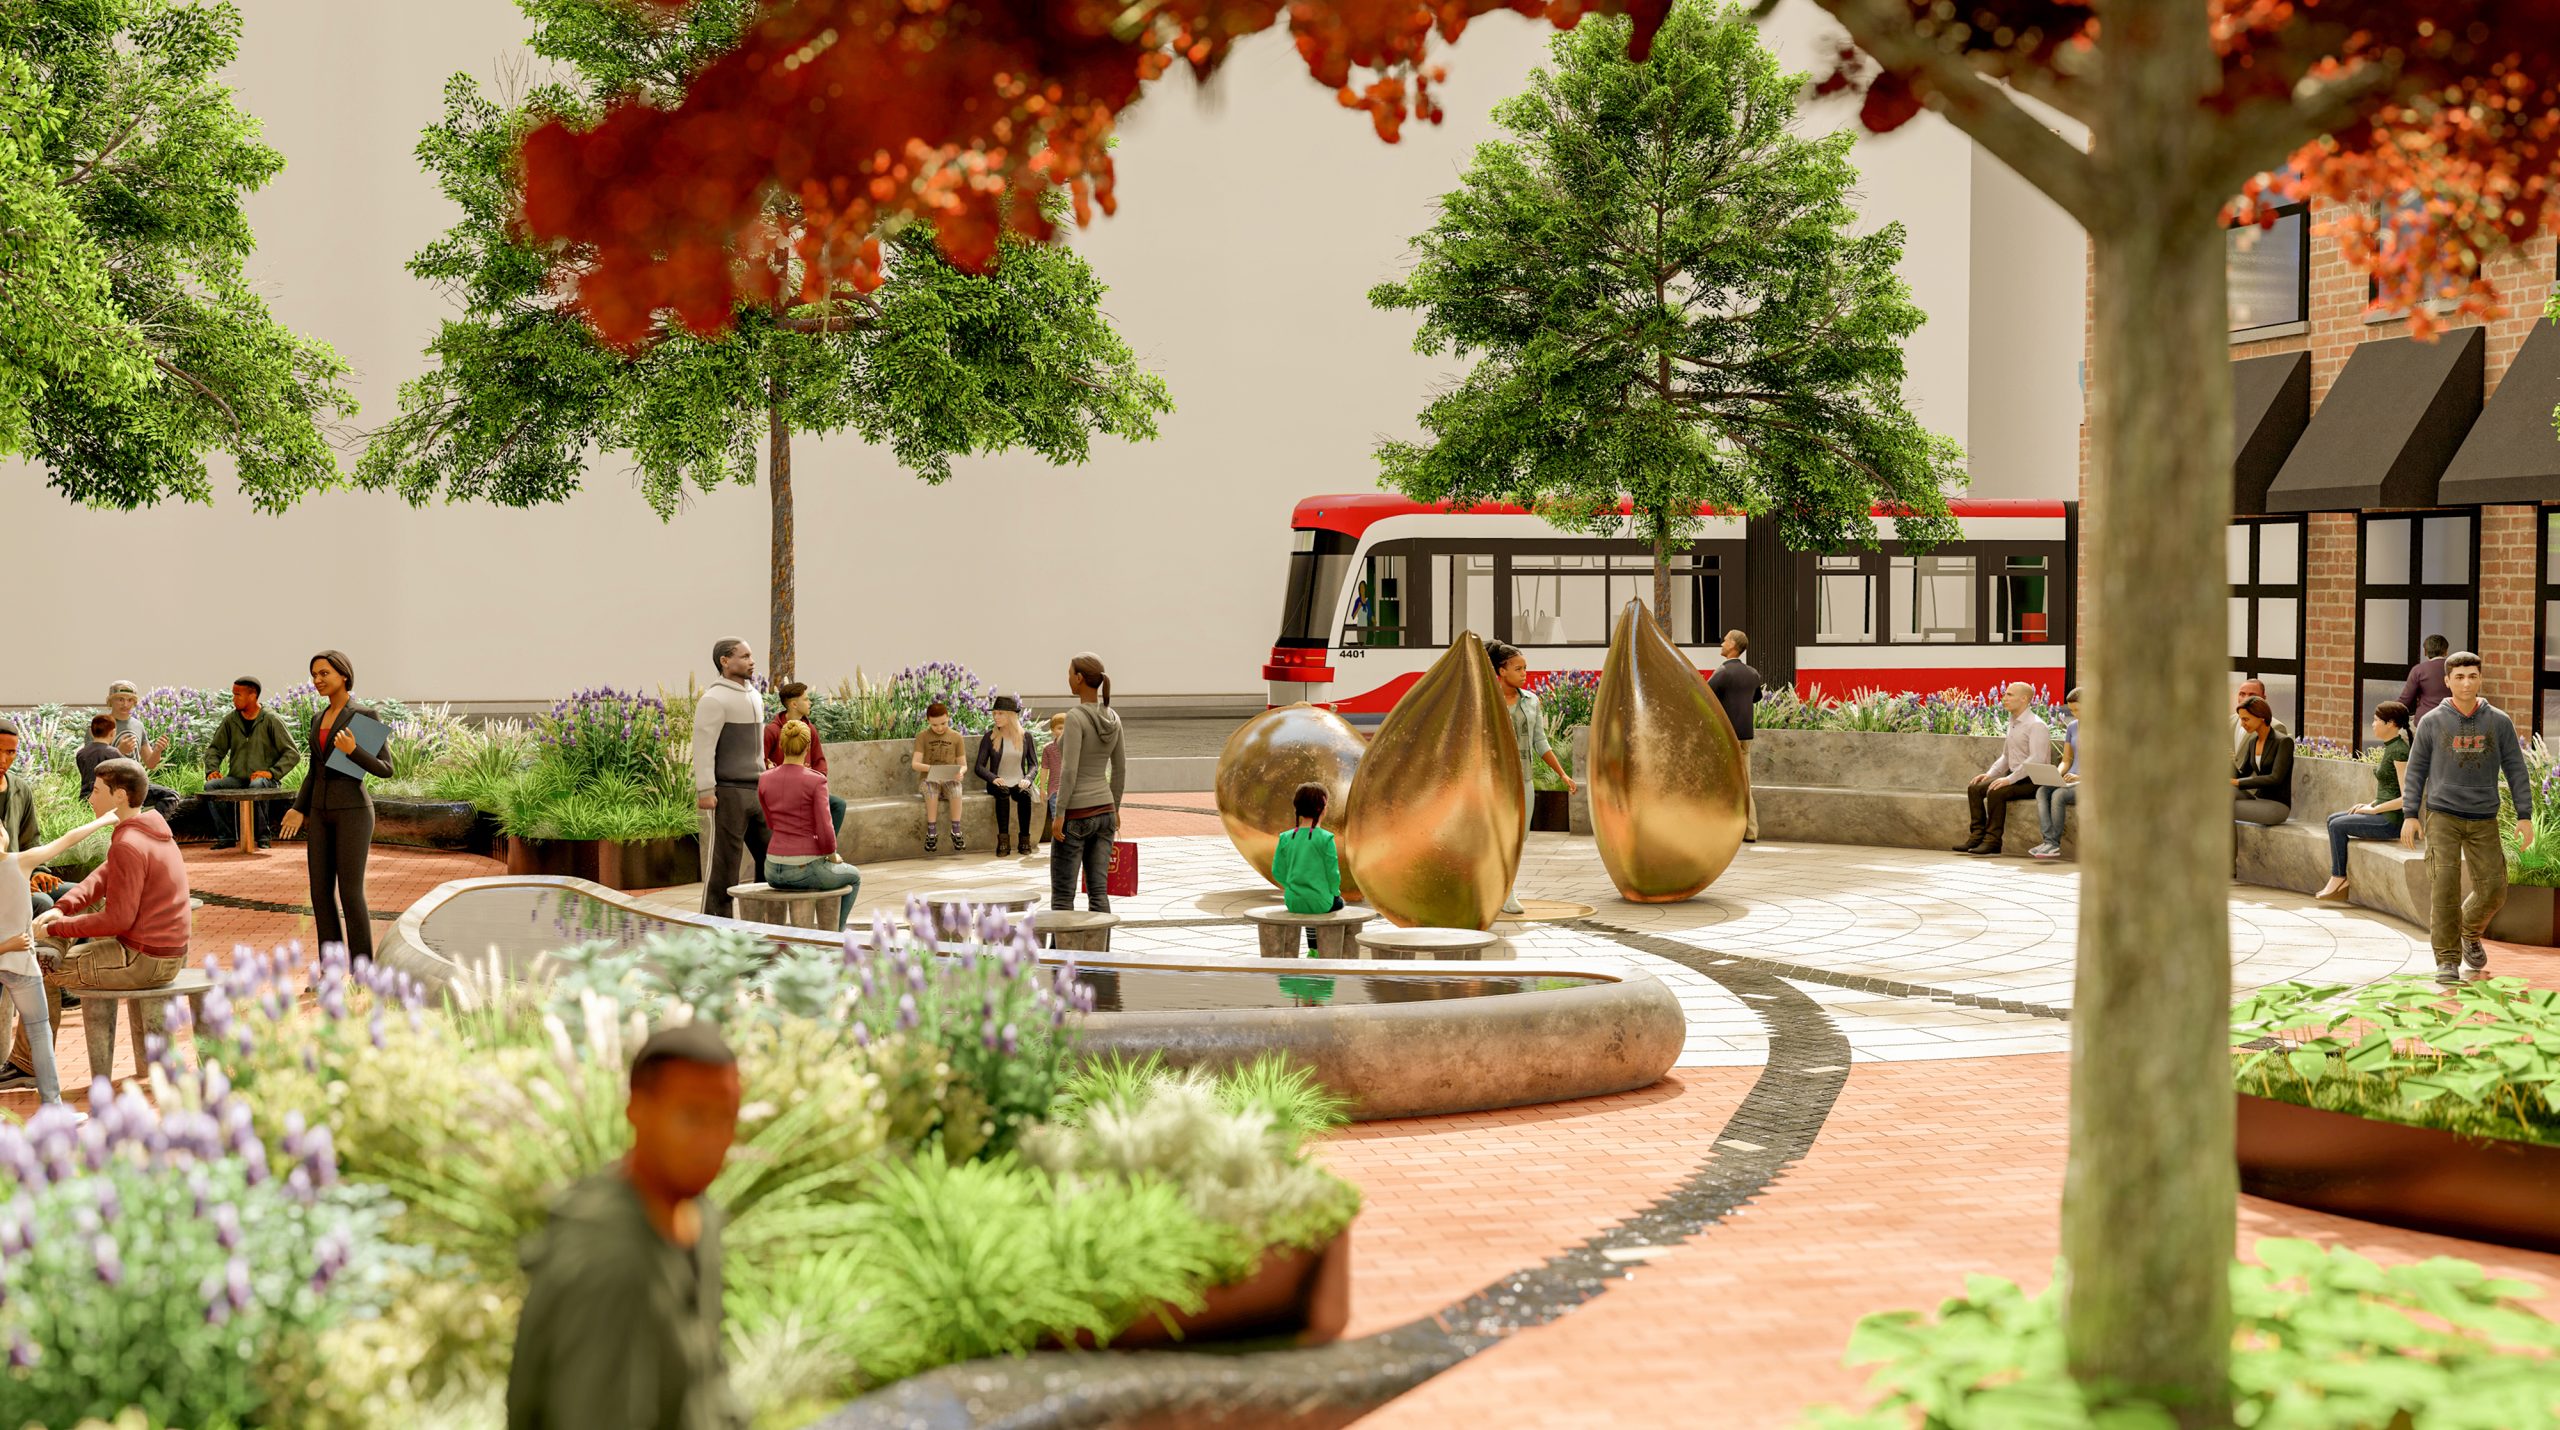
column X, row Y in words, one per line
column 1437, row 809
column 1667, row 780
column 1265, row 761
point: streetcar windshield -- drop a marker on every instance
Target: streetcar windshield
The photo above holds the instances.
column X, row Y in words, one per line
column 1318, row 562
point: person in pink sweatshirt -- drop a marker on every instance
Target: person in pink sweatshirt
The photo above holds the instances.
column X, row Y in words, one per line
column 128, row 923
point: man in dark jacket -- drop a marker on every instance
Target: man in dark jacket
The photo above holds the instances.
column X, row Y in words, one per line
column 2425, row 689
column 250, row 749
column 621, row 1324
column 1737, row 687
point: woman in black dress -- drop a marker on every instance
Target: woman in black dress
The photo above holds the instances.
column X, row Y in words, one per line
column 339, row 811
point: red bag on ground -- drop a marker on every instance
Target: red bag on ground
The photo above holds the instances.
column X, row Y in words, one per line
column 1122, row 881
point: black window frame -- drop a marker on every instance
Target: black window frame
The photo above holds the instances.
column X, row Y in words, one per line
column 2418, row 591
column 2546, row 677
column 2302, row 276
column 2251, row 664
column 1990, row 558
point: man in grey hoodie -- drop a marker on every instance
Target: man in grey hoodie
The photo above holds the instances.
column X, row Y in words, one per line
column 2456, row 758
column 1093, row 770
column 728, row 759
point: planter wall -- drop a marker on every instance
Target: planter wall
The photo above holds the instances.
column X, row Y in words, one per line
column 616, row 864
column 1305, row 1295
column 2418, row 1177
column 884, row 817
column 433, row 824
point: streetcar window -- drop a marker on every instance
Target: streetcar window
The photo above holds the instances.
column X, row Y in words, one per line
column 1463, row 586
column 1380, row 600
column 1318, row 563
column 1560, row 599
column 1844, row 601
column 1933, row 598
column 2020, row 601
column 1695, row 601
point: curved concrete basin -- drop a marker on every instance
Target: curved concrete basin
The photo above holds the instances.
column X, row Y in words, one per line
column 1403, row 1041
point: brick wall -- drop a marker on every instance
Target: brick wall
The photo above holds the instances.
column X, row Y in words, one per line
column 2329, row 627
column 2509, row 539
column 2510, row 551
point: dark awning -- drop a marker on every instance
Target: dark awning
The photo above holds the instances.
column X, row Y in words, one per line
column 2270, row 405
column 2387, row 429
column 2512, row 454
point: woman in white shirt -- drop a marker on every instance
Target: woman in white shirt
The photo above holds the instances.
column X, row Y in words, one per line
column 20, row 975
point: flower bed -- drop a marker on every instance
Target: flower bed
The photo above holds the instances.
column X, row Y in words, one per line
column 919, row 1177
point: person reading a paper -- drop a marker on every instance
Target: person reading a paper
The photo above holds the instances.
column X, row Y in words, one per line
column 1988, row 795
column 348, row 744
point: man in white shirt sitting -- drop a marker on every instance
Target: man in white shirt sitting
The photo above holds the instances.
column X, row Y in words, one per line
column 1987, row 797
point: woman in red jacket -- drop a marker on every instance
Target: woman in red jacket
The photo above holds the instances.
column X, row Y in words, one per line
column 802, row 854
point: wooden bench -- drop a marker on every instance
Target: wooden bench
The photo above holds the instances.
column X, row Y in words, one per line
column 1426, row 943
column 1076, row 930
column 791, row 908
column 1283, row 932
column 244, row 811
column 146, row 1011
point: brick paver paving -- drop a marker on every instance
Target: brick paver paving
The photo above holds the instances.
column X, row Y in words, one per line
column 1924, row 1173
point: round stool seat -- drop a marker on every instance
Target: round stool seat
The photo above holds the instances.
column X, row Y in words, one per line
column 1281, row 931
column 1426, row 943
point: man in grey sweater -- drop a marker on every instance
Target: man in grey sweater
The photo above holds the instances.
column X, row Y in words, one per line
column 2460, row 751
column 728, row 758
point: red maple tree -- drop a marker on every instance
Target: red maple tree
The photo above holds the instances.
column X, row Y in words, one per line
column 2430, row 126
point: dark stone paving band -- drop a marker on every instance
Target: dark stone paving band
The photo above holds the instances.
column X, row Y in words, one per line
column 1325, row 1386
column 267, row 906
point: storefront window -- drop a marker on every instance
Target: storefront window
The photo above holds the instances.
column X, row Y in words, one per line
column 2416, row 582
column 2264, row 558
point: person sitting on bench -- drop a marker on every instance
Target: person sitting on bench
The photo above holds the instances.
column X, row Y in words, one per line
column 130, row 921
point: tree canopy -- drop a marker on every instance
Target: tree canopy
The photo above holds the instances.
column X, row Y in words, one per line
column 132, row 346
column 1669, row 306
column 933, row 361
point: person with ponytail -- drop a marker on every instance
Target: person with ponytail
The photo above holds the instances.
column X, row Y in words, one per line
column 803, row 854
column 1093, row 771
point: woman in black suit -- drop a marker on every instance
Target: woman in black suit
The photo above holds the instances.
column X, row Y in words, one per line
column 339, row 811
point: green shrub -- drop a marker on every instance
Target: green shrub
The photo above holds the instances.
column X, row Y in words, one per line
column 2481, row 1058
column 2323, row 1340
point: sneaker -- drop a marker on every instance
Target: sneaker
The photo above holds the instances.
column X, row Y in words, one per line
column 1512, row 906
column 2475, row 954
column 2449, row 973
column 2048, row 852
column 957, row 842
column 929, row 844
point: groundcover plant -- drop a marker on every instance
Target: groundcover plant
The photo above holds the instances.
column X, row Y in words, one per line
column 2481, row 1059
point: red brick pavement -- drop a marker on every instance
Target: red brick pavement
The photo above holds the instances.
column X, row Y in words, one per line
column 395, row 878
column 1926, row 1172
column 1150, row 815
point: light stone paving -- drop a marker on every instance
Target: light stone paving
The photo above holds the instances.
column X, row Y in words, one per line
column 1995, row 928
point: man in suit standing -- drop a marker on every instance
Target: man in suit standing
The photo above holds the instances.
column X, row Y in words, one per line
column 1737, row 687
column 728, row 758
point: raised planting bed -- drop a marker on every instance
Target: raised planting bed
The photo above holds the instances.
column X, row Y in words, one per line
column 1304, row 1296
column 2423, row 1178
column 614, row 863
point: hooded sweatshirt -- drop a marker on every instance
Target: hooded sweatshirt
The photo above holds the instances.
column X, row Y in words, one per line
column 1093, row 763
column 138, row 897
column 621, row 1327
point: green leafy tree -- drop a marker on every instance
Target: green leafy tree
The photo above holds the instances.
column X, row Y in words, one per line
column 1659, row 281
column 932, row 362
column 131, row 344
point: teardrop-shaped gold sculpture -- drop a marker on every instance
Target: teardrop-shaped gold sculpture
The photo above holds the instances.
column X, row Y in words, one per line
column 1437, row 808
column 1265, row 761
column 1667, row 783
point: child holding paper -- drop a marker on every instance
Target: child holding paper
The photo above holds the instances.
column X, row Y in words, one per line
column 939, row 756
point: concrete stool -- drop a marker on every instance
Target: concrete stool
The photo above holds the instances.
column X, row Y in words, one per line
column 791, row 908
column 1284, row 933
column 146, row 1011
column 1077, row 930
column 1426, row 943
column 946, row 903
column 245, row 813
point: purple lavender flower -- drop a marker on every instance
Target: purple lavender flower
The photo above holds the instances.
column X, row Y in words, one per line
column 22, row 1352
column 235, row 1280
column 226, row 1226
column 907, row 1014
column 110, row 1261
column 1008, row 1041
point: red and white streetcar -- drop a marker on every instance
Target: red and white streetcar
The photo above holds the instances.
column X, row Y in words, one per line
column 1379, row 584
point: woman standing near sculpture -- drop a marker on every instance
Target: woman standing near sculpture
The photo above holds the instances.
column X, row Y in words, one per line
column 338, row 809
column 1093, row 770
column 1528, row 731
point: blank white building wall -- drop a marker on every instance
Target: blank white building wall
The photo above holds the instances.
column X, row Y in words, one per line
column 1253, row 221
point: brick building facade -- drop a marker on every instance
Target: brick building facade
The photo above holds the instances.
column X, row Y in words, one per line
column 2417, row 505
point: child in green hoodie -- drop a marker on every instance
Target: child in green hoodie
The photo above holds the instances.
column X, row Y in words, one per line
column 1305, row 865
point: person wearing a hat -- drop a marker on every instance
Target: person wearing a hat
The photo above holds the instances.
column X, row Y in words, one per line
column 621, row 1323
column 250, row 749
column 1008, row 759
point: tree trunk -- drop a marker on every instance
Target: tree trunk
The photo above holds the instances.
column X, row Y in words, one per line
column 782, row 657
column 1662, row 582
column 2148, row 1211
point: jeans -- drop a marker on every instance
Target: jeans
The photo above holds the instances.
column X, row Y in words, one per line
column 1084, row 846
column 26, row 996
column 225, row 816
column 1010, row 801
column 2454, row 843
column 2053, row 805
column 2343, row 827
column 101, row 963
column 819, row 874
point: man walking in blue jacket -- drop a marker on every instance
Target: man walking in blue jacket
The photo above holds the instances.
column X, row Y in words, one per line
column 2460, row 751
